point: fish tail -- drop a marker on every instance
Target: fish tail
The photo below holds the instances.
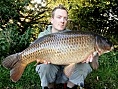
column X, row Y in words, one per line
column 17, row 71
column 10, row 61
column 14, row 63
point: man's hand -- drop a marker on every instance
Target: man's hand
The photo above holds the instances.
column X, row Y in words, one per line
column 42, row 61
column 89, row 59
column 45, row 62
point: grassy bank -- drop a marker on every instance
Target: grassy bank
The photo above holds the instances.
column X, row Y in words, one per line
column 106, row 77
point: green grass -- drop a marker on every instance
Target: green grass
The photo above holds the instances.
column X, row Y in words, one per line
column 29, row 79
column 106, row 77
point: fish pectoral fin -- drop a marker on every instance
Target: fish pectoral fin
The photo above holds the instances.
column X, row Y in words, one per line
column 39, row 61
column 68, row 70
column 95, row 63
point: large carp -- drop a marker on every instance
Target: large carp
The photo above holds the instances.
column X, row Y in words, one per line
column 65, row 48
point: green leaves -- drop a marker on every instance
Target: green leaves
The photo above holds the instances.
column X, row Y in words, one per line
column 11, row 41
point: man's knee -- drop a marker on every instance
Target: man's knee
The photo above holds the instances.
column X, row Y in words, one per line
column 46, row 69
column 42, row 68
column 83, row 68
column 80, row 73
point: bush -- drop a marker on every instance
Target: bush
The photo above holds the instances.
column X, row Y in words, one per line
column 11, row 41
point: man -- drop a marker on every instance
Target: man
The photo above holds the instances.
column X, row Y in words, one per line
column 51, row 74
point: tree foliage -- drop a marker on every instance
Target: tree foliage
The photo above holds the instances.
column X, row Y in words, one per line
column 21, row 21
column 99, row 16
column 23, row 13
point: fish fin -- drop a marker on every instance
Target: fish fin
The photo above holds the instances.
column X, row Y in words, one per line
column 13, row 62
column 68, row 70
column 95, row 63
column 10, row 61
column 17, row 71
column 39, row 61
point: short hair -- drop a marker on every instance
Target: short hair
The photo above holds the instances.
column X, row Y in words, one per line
column 59, row 7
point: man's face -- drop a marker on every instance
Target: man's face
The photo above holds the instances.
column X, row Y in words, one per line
column 59, row 20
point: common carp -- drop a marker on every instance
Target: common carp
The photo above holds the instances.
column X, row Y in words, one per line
column 65, row 48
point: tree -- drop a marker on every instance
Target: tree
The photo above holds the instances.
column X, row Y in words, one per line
column 23, row 13
column 21, row 21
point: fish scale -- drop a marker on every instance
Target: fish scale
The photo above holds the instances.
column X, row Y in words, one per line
column 65, row 48
column 60, row 49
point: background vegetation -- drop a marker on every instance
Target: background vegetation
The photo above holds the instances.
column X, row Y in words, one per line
column 22, row 20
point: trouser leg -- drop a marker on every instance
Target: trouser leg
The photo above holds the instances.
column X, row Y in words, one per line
column 47, row 73
column 80, row 73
